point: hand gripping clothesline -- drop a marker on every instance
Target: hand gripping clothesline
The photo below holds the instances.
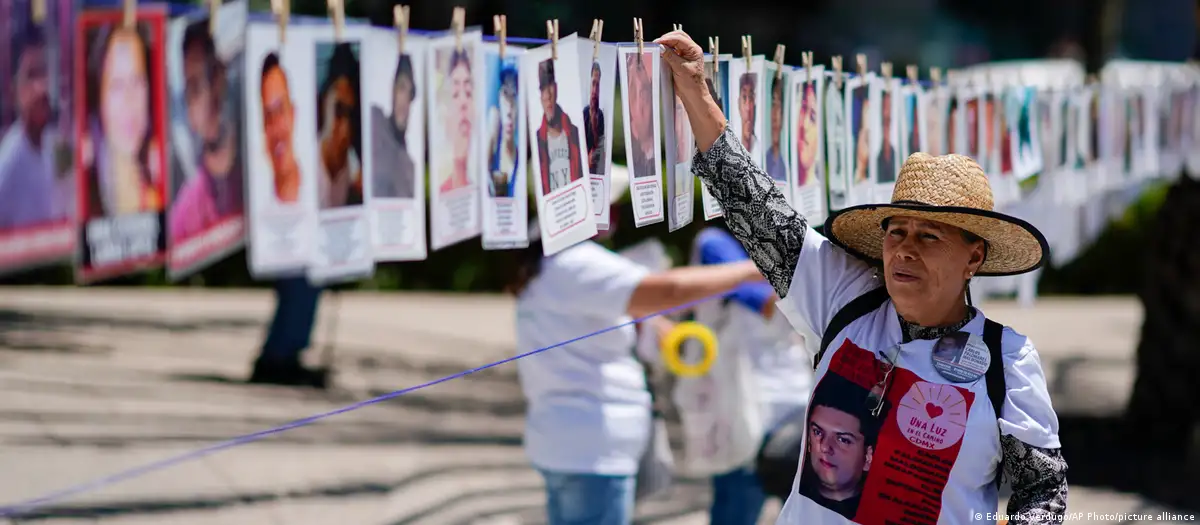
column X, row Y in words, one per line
column 675, row 338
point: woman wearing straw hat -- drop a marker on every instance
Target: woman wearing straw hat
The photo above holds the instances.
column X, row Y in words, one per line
column 588, row 417
column 895, row 432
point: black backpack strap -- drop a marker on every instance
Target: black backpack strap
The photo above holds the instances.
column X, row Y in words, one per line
column 993, row 334
column 860, row 306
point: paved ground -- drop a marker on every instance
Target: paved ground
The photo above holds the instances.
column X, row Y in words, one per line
column 95, row 381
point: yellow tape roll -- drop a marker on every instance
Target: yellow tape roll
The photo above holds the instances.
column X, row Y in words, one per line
column 672, row 345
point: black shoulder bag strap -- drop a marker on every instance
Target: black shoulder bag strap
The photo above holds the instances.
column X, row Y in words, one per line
column 860, row 306
column 993, row 334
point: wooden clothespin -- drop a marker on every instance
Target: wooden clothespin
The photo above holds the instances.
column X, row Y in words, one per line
column 552, row 36
column 213, row 7
column 779, row 48
column 806, row 59
column 935, row 74
column 130, row 12
column 458, row 19
column 400, row 18
column 597, row 31
column 337, row 10
column 914, row 74
column 837, row 71
column 37, row 11
column 500, row 26
column 861, row 59
column 747, row 48
column 714, row 48
column 282, row 10
column 637, row 35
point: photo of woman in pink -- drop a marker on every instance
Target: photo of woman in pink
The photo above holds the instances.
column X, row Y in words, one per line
column 807, row 132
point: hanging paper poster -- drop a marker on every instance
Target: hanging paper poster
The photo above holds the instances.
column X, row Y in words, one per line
column 967, row 126
column 837, row 143
column 1024, row 151
column 121, row 142
column 1146, row 147
column 598, row 67
column 564, row 200
column 934, row 107
column 396, row 107
column 453, row 137
column 281, row 160
column 680, row 146
column 808, row 184
column 719, row 81
column 505, row 191
column 748, row 77
column 886, row 141
column 37, row 131
column 860, row 101
column 642, row 75
column 913, row 107
column 343, row 239
column 206, row 206
column 775, row 101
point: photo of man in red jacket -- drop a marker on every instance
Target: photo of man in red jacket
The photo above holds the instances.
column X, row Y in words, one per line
column 557, row 138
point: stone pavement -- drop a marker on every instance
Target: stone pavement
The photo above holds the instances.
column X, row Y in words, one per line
column 95, row 381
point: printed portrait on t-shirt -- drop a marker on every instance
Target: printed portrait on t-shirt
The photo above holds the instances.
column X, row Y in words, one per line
column 842, row 434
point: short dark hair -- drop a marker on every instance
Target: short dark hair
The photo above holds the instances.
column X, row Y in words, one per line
column 197, row 34
column 270, row 63
column 845, row 396
column 777, row 87
column 343, row 64
column 595, row 67
column 404, row 68
column 459, row 58
column 31, row 38
column 508, row 80
column 545, row 73
column 748, row 79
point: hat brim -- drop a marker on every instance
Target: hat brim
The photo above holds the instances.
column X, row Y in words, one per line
column 1014, row 246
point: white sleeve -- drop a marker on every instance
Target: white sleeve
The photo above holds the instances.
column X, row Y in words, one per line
column 1028, row 413
column 825, row 280
column 589, row 279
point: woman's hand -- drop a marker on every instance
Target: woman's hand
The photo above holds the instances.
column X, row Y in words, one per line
column 686, row 60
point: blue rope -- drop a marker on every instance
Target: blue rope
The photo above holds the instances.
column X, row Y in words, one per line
column 41, row 501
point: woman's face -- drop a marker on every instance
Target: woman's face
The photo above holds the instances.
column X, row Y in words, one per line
column 926, row 263
column 808, row 128
column 124, row 88
column 461, row 97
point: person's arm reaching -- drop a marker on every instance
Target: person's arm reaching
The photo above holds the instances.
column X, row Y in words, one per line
column 679, row 286
column 718, row 247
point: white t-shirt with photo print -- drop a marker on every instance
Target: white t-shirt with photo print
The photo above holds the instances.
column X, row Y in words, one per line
column 560, row 160
column 922, row 451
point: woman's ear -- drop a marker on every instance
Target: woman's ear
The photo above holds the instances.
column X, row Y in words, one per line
column 978, row 254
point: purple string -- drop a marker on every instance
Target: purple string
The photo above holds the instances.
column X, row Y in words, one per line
column 112, row 479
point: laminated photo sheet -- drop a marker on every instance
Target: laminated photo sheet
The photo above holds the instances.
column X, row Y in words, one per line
column 205, row 205
column 999, row 168
column 395, row 105
column 837, row 143
column 720, row 86
column 121, row 142
column 641, row 78
column 281, row 153
column 555, row 107
column 1190, row 137
column 966, row 127
column 503, row 162
column 598, row 76
column 1052, row 133
column 454, row 133
column 807, row 144
column 1170, row 121
column 1024, row 135
column 680, row 147
column 859, row 108
column 1147, row 152
column 886, row 146
column 342, row 251
column 912, row 115
column 747, row 90
column 989, row 132
column 1090, row 166
column 776, row 155
column 42, row 228
column 935, row 110
column 1114, row 132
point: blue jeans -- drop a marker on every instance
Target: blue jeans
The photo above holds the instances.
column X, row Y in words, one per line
column 295, row 314
column 588, row 499
column 737, row 498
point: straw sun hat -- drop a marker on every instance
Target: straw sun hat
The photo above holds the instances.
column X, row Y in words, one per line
column 950, row 189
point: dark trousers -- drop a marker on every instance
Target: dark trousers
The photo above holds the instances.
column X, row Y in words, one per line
column 295, row 315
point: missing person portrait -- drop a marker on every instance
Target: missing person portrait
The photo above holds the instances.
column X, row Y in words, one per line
column 214, row 191
column 119, row 144
column 972, row 125
column 806, row 134
column 278, row 118
column 502, row 143
column 640, row 95
column 862, row 131
column 776, row 167
column 557, row 138
column 27, row 170
column 912, row 114
column 840, row 446
column 339, row 128
column 952, row 126
column 593, row 125
column 950, row 347
column 885, row 164
column 835, row 137
column 457, row 102
column 748, row 110
column 392, row 166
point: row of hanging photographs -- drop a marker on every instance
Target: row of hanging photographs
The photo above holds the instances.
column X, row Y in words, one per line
column 134, row 142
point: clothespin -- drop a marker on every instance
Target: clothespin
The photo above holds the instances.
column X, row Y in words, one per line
column 935, row 74
column 400, row 18
column 458, row 18
column 338, row 11
column 213, row 7
column 746, row 51
column 130, row 12
column 779, row 48
column 677, row 27
column 914, row 74
column 714, row 48
column 500, row 25
column 806, row 58
column 597, row 30
column 837, row 71
column 281, row 9
column 37, row 11
column 552, row 36
column 861, row 58
column 637, row 35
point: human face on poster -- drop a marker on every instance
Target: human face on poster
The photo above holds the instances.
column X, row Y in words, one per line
column 453, row 130
column 505, row 190
column 808, row 142
column 836, row 137
column 680, row 144
column 37, row 180
column 886, row 145
column 205, row 217
column 859, row 111
column 598, row 69
column 555, row 106
column 776, row 161
column 748, row 108
column 642, row 77
column 122, row 133
column 394, row 94
column 720, row 88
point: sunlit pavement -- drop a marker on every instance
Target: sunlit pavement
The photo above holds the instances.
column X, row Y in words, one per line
column 96, row 381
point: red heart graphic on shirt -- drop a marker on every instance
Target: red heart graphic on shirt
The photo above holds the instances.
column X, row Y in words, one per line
column 933, row 410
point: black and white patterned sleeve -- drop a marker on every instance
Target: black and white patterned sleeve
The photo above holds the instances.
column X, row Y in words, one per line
column 1039, row 482
column 756, row 212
